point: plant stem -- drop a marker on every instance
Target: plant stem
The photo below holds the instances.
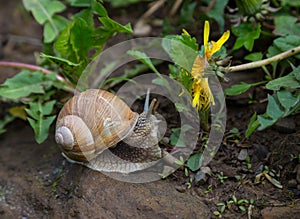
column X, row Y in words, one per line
column 264, row 62
column 29, row 67
column 34, row 68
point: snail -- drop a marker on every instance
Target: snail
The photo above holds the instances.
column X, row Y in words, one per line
column 97, row 129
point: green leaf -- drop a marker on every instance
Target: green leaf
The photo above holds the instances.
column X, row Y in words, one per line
column 183, row 50
column 254, row 56
column 3, row 122
column 122, row 3
column 286, row 25
column 294, row 3
column 273, row 109
column 252, row 126
column 246, row 35
column 80, row 3
column 51, row 30
column 41, row 121
column 287, row 43
column 186, row 13
column 195, row 161
column 113, row 26
column 237, row 89
column 26, row 83
column 287, row 99
column 75, row 41
column 176, row 139
column 264, row 122
column 217, row 12
column 289, row 81
column 142, row 57
column 43, row 10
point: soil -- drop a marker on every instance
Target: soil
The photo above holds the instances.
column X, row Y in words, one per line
column 37, row 182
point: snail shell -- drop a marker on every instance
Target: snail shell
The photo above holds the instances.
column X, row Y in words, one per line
column 91, row 122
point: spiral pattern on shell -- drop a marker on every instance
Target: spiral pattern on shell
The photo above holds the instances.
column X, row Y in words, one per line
column 91, row 122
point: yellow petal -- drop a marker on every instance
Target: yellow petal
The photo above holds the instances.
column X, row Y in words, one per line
column 216, row 46
column 206, row 33
column 185, row 32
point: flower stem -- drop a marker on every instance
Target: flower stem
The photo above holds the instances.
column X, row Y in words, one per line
column 35, row 68
column 264, row 62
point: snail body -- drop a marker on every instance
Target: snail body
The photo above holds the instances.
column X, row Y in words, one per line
column 97, row 129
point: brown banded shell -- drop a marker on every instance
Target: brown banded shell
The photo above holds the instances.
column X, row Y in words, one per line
column 91, row 122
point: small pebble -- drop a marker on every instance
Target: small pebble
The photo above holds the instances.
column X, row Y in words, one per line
column 243, row 155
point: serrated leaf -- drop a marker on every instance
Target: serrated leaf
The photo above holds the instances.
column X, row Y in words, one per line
column 40, row 121
column 75, row 41
column 237, row 89
column 286, row 25
column 183, row 50
column 246, row 35
column 287, row 43
column 273, row 109
column 43, row 10
column 114, row 26
column 52, row 29
column 24, row 84
column 195, row 161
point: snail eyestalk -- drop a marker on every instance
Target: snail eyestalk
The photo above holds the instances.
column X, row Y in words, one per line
column 148, row 114
column 146, row 106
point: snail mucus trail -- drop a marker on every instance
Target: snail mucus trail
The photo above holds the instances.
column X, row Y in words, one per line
column 97, row 129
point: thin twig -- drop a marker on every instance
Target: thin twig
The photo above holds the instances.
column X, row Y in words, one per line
column 264, row 62
column 35, row 68
column 175, row 7
column 29, row 67
column 156, row 5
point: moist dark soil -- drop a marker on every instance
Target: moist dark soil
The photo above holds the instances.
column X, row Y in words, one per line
column 37, row 182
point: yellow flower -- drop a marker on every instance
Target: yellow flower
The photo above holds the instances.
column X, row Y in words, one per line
column 202, row 96
column 212, row 47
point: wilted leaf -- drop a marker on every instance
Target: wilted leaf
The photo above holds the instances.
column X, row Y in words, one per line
column 18, row 111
